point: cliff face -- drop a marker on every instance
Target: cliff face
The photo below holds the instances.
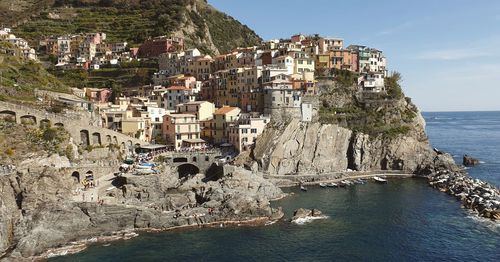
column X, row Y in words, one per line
column 37, row 211
column 354, row 132
column 318, row 148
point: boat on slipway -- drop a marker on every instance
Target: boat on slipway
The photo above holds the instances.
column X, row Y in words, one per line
column 379, row 179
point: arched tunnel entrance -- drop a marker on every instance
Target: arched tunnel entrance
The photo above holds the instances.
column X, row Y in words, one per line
column 76, row 176
column 187, row 170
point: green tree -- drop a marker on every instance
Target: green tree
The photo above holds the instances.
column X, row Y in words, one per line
column 393, row 85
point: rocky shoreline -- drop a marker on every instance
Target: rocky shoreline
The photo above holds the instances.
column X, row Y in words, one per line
column 478, row 196
column 79, row 246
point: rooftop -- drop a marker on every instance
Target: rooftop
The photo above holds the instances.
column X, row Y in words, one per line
column 180, row 115
column 224, row 110
column 178, row 88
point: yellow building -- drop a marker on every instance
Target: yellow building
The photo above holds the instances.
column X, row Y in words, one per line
column 203, row 110
column 223, row 117
column 138, row 127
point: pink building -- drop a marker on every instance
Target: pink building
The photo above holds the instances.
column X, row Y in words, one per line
column 98, row 95
column 182, row 130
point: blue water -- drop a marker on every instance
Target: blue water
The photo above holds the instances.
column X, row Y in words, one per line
column 404, row 220
column 473, row 133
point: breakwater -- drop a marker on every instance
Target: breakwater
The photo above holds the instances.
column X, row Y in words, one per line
column 476, row 195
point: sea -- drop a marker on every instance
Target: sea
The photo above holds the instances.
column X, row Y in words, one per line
column 404, row 220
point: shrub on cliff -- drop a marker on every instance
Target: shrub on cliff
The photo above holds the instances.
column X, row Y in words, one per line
column 393, row 87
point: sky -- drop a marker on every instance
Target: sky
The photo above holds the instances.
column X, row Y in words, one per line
column 448, row 51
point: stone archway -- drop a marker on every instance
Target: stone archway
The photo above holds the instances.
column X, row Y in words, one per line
column 28, row 120
column 96, row 139
column 8, row 115
column 187, row 170
column 59, row 124
column 108, row 140
column 45, row 123
column 76, row 176
column 195, row 159
column 115, row 140
column 84, row 137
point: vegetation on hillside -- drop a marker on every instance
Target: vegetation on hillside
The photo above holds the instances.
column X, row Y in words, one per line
column 388, row 113
column 135, row 20
column 106, row 77
column 19, row 77
column 227, row 33
column 20, row 140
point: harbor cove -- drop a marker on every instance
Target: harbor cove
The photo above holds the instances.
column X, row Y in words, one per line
column 167, row 130
column 403, row 220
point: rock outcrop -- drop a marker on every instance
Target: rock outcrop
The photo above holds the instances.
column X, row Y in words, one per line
column 476, row 195
column 303, row 147
column 300, row 147
column 303, row 213
column 37, row 212
column 302, row 216
column 470, row 161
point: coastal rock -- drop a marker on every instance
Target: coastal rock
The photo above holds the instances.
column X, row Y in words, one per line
column 476, row 195
column 304, row 213
column 303, row 147
column 470, row 161
column 315, row 148
column 37, row 211
column 301, row 213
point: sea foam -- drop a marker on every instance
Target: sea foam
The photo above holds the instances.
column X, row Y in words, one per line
column 308, row 219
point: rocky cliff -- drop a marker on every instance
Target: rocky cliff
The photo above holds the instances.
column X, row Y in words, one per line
column 357, row 131
column 37, row 211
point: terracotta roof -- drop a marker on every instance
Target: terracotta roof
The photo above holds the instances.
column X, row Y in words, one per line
column 178, row 88
column 224, row 110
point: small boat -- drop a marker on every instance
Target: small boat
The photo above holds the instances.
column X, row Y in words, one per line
column 345, row 183
column 323, row 185
column 379, row 179
column 359, row 181
column 332, row 185
column 303, row 188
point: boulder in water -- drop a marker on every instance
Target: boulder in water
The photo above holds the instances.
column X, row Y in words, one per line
column 302, row 216
column 470, row 161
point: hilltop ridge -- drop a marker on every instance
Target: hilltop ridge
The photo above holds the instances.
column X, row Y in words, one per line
column 202, row 25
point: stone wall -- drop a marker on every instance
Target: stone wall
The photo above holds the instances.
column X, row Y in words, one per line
column 80, row 128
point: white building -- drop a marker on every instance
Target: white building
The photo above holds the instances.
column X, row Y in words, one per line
column 243, row 134
column 373, row 81
column 156, row 115
column 271, row 71
column 286, row 62
column 178, row 95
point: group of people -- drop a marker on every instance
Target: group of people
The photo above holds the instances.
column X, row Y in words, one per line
column 88, row 183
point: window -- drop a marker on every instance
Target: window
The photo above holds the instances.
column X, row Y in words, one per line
column 253, row 131
column 178, row 136
column 244, row 131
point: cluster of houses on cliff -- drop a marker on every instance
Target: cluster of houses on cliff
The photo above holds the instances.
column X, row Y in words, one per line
column 22, row 47
column 196, row 99
column 85, row 51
